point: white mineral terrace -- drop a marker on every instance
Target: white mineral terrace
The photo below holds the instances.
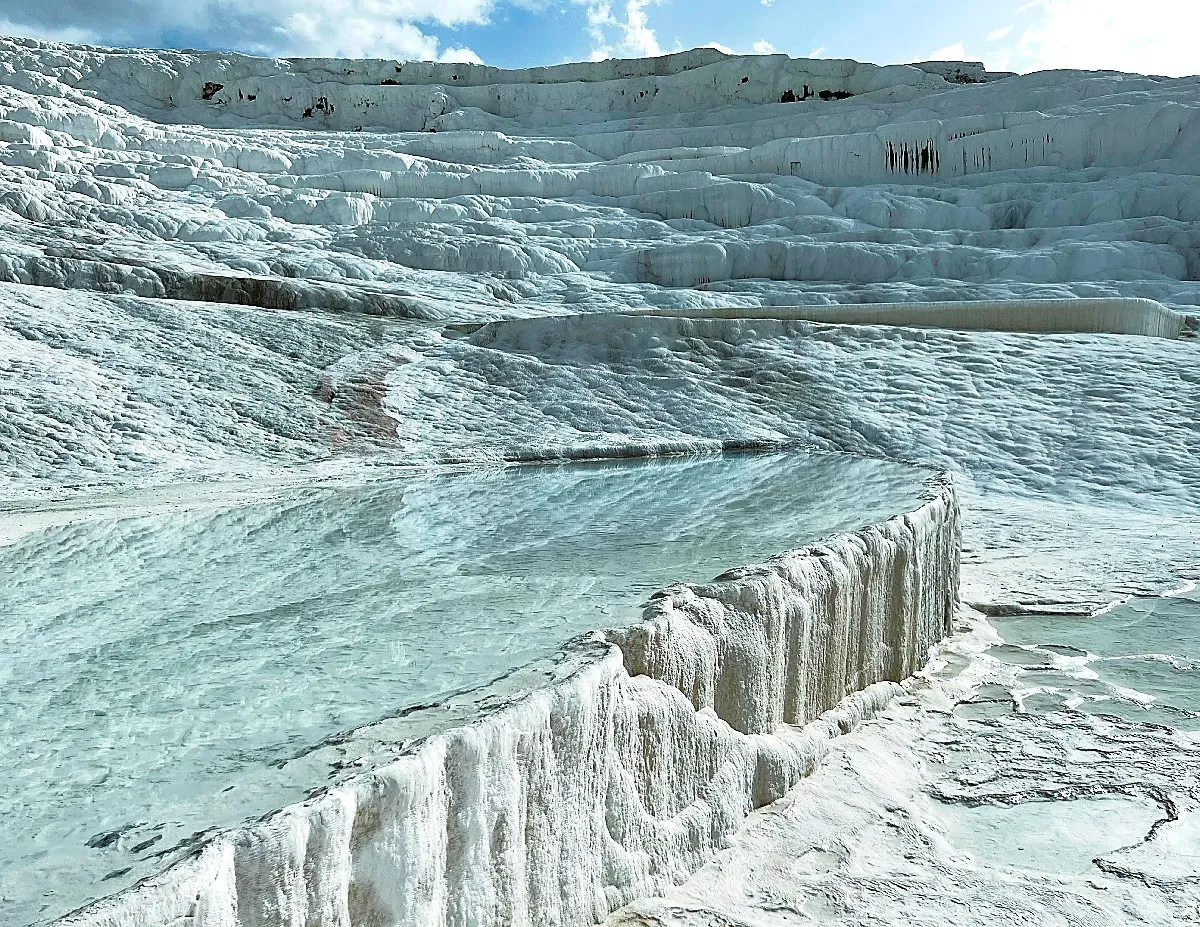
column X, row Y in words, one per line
column 596, row 777
column 287, row 641
column 190, row 667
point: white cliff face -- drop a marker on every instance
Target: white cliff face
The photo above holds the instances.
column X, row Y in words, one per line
column 783, row 643
column 1111, row 315
column 680, row 183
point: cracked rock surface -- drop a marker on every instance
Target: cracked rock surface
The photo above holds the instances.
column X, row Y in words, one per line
column 1012, row 785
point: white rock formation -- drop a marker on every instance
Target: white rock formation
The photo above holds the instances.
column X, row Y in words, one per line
column 639, row 755
column 1113, row 315
column 261, row 257
column 977, row 798
column 680, row 183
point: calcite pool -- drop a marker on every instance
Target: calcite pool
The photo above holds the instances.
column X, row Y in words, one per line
column 1079, row 760
column 159, row 667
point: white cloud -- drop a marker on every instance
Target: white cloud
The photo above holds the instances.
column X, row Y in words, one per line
column 72, row 36
column 761, row 47
column 999, row 35
column 1148, row 37
column 625, row 34
column 638, row 34
column 369, row 28
column 461, row 54
column 312, row 34
column 354, row 28
column 818, row 52
column 955, row 52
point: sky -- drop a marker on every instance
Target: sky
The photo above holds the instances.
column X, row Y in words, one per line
column 1148, row 36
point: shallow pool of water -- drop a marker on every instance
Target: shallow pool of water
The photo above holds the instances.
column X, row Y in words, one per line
column 157, row 669
column 1067, row 763
column 1063, row 838
column 1139, row 661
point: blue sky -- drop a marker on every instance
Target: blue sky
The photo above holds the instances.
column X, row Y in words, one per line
column 864, row 29
column 1151, row 36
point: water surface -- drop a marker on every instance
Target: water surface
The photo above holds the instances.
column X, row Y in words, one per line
column 156, row 670
column 1139, row 661
column 1077, row 764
